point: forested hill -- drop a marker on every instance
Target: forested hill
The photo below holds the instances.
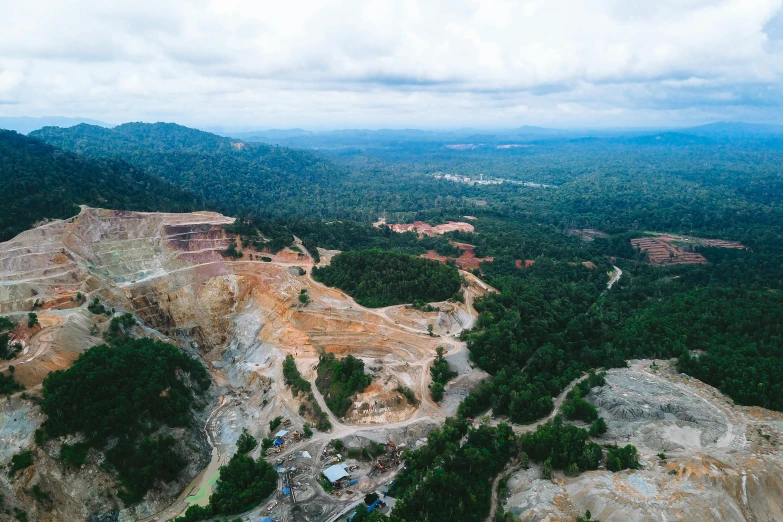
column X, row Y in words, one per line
column 40, row 181
column 262, row 179
column 124, row 139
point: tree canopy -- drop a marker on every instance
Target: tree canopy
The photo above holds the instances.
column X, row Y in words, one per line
column 378, row 278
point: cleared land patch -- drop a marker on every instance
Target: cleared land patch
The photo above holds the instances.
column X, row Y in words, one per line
column 466, row 261
column 425, row 229
column 668, row 249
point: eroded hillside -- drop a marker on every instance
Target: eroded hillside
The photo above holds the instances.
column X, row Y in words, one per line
column 721, row 462
column 242, row 317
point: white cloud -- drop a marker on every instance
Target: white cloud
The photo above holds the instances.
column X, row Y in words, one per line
column 358, row 63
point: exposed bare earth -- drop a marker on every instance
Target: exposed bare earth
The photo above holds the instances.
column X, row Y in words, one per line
column 466, row 261
column 722, row 461
column 242, row 317
column 423, row 228
column 667, row 249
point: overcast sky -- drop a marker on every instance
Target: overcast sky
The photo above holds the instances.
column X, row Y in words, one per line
column 394, row 63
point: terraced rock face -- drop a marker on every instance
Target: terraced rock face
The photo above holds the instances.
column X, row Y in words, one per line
column 722, row 461
column 240, row 316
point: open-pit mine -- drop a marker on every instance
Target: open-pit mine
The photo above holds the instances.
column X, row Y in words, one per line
column 703, row 458
column 241, row 317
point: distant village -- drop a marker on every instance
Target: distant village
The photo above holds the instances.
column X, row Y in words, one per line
column 456, row 178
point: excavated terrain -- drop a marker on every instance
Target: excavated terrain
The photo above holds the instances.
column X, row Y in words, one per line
column 241, row 317
column 722, row 461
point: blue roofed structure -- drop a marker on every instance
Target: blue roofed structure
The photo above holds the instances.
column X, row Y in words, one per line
column 335, row 473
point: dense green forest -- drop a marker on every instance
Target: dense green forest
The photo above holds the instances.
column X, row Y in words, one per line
column 378, row 278
column 125, row 392
column 551, row 322
column 267, row 181
column 39, row 181
column 451, row 479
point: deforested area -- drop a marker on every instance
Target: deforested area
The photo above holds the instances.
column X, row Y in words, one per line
column 391, row 262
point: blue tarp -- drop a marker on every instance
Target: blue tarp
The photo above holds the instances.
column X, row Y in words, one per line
column 352, row 482
column 278, row 442
column 374, row 505
column 286, row 491
column 267, row 519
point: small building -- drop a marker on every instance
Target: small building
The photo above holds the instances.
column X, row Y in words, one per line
column 336, row 473
column 280, row 434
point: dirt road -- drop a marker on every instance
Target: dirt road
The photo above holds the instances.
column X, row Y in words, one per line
column 616, row 275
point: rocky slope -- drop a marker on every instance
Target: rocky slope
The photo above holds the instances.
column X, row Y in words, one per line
column 241, row 317
column 722, row 462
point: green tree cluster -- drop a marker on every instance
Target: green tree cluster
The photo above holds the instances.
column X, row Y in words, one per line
column 441, row 374
column 339, row 379
column 243, row 484
column 380, row 278
column 564, row 446
column 575, row 406
column 125, row 392
column 302, row 388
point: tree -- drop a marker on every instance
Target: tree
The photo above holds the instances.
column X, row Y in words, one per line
column 339, row 379
column 246, row 442
column 32, row 319
column 441, row 374
column 546, row 469
column 598, row 427
column 378, row 278
column 436, row 390
column 618, row 459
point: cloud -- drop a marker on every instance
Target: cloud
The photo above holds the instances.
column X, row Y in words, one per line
column 356, row 63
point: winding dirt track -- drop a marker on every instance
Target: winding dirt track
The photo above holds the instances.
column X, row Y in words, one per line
column 524, row 428
column 427, row 409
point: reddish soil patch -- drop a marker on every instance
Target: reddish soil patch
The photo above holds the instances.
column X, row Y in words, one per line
column 466, row 261
column 472, row 218
column 589, row 264
column 719, row 243
column 668, row 249
column 662, row 252
column 425, row 229
column 431, row 254
column 527, row 263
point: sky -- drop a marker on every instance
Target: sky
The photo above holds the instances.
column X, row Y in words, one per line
column 395, row 63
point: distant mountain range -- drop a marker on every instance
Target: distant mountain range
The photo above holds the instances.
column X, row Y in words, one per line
column 719, row 132
column 26, row 125
column 714, row 133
